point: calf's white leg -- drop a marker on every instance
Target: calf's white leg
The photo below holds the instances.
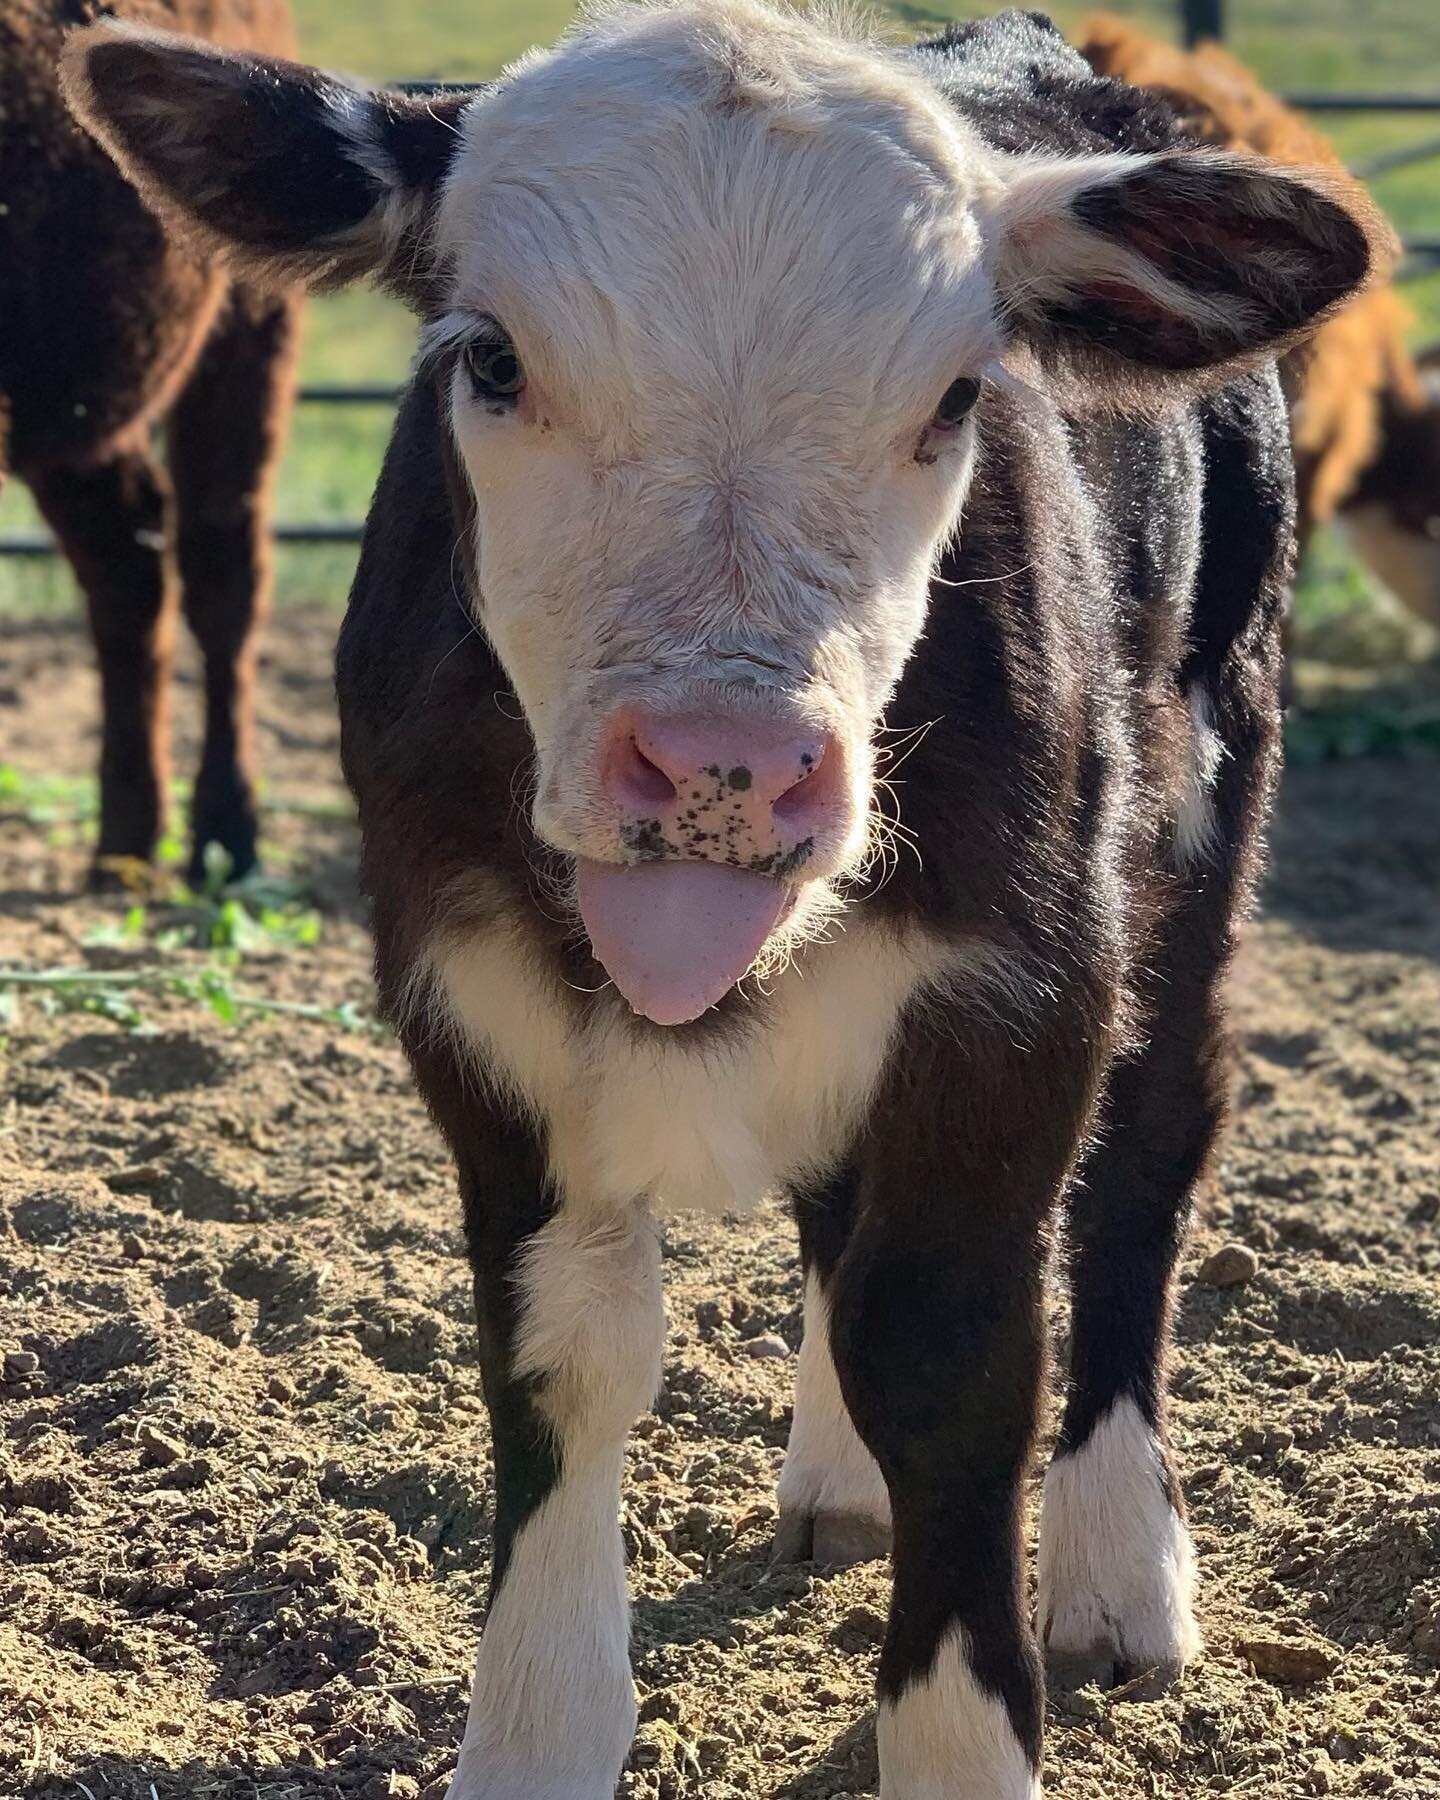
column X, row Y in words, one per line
column 552, row 1711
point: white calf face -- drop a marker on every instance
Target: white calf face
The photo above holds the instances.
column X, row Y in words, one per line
column 711, row 477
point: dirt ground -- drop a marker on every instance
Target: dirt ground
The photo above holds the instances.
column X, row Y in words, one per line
column 244, row 1486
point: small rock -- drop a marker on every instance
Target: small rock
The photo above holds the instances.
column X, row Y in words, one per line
column 20, row 1363
column 1231, row 1266
column 1320, row 1777
column 865, row 1622
column 1086, row 1702
column 136, row 1179
column 766, row 1347
column 192, row 1472
column 393, row 1786
column 220, row 1317
column 280, row 1387
column 1427, row 1637
column 132, row 1248
column 662, row 1703
column 1298, row 1659
column 161, row 1451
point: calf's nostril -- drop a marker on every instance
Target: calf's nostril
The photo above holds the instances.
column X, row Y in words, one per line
column 808, row 790
column 639, row 779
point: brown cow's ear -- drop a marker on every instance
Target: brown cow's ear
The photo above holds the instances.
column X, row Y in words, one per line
column 1124, row 277
column 291, row 174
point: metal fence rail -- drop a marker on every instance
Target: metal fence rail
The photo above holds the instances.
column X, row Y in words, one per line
column 1422, row 255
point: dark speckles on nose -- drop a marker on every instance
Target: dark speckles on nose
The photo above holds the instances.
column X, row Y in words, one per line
column 787, row 865
column 645, row 840
column 710, row 823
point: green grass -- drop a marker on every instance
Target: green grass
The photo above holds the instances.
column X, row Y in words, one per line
column 334, row 454
column 166, row 937
column 438, row 40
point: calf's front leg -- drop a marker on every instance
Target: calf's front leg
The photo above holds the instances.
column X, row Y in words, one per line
column 936, row 1326
column 571, row 1327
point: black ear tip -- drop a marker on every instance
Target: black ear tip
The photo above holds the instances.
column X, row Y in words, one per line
column 1365, row 245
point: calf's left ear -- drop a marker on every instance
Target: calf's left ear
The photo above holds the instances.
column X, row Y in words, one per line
column 290, row 174
column 1124, row 276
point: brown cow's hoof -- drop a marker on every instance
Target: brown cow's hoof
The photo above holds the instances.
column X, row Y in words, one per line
column 214, row 856
column 829, row 1540
column 114, row 872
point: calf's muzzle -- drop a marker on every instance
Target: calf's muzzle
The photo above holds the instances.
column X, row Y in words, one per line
column 751, row 793
column 717, row 815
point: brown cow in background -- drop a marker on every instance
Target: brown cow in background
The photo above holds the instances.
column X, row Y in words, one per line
column 1365, row 421
column 108, row 329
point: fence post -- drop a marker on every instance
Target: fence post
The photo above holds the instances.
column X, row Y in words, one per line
column 1202, row 19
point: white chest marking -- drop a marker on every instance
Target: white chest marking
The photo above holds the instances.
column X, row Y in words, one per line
column 716, row 1124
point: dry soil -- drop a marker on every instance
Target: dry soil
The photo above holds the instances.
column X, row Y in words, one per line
column 244, row 1479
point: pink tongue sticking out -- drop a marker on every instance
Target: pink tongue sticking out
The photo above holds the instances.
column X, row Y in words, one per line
column 675, row 937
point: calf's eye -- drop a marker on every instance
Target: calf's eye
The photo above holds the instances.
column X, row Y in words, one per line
column 955, row 403
column 495, row 370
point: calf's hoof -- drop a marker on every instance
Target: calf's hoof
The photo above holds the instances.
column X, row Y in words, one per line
column 510, row 1786
column 830, row 1540
column 1105, row 1666
column 1116, row 1568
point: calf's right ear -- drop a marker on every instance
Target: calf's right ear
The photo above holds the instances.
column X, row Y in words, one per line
column 289, row 174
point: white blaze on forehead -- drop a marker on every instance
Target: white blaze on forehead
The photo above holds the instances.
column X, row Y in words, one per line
column 731, row 207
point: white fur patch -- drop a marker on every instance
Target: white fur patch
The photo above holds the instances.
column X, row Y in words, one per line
column 592, row 1323
column 947, row 1738
column 740, row 258
column 827, row 1467
column 1116, row 1567
column 400, row 208
column 552, row 1711
column 1196, row 829
column 715, row 1124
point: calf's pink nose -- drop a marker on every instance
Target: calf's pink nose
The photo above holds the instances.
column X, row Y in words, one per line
column 744, row 791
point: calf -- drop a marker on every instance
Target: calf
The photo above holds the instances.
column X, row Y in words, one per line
column 785, row 399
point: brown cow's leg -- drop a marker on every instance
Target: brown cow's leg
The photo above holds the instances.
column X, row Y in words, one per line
column 112, row 523
column 225, row 437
